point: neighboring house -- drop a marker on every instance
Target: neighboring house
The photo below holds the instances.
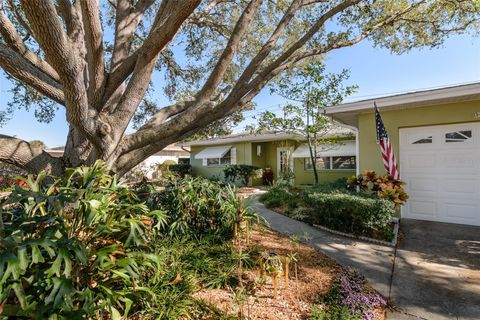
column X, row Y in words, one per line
column 277, row 151
column 436, row 138
column 171, row 152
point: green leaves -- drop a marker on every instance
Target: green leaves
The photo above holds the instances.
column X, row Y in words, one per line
column 241, row 171
column 61, row 293
column 76, row 245
column 63, row 258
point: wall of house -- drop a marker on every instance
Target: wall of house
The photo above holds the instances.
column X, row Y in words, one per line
column 244, row 156
column 370, row 157
column 306, row 177
column 247, row 154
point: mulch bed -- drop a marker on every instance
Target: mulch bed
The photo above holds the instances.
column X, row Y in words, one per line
column 315, row 274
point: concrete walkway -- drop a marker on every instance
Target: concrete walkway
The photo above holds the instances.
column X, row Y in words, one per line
column 374, row 262
column 431, row 275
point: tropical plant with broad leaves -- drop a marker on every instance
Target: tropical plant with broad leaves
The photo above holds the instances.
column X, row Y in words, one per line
column 385, row 186
column 76, row 246
column 200, row 207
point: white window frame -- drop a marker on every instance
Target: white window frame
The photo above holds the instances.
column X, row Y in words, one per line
column 233, row 159
column 330, row 163
column 227, row 155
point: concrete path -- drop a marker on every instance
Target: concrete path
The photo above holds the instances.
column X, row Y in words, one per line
column 433, row 274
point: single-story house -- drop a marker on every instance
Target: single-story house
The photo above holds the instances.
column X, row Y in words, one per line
column 277, row 151
column 171, row 152
column 436, row 138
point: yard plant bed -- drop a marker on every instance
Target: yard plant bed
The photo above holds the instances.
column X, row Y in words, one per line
column 387, row 236
column 336, row 209
column 309, row 286
column 85, row 246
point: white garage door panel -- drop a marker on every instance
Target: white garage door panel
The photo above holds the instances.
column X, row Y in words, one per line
column 441, row 165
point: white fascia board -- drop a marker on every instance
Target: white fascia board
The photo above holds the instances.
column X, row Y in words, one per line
column 245, row 138
column 412, row 99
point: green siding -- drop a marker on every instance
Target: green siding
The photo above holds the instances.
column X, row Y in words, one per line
column 247, row 154
column 244, row 156
column 304, row 177
column 370, row 158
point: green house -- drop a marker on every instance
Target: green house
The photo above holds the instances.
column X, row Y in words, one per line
column 436, row 138
column 277, row 151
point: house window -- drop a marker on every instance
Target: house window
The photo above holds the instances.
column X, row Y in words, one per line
column 322, row 163
column 226, row 159
column 428, row 139
column 458, row 136
column 332, row 163
column 343, row 163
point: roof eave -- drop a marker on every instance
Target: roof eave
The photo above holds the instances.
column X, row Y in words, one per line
column 348, row 112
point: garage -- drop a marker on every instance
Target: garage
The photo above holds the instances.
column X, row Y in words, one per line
column 441, row 166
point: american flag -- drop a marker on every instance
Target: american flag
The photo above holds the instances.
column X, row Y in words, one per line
column 386, row 147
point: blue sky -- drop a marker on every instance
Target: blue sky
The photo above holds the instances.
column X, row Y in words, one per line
column 375, row 71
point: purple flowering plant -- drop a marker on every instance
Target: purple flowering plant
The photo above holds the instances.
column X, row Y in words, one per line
column 351, row 290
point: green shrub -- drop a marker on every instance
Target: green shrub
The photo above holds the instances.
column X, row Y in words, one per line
column 243, row 172
column 76, row 247
column 339, row 185
column 278, row 196
column 197, row 206
column 352, row 213
column 182, row 169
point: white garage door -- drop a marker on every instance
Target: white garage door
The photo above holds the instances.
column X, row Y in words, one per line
column 441, row 165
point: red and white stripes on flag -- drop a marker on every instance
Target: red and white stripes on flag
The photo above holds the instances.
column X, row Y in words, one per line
column 383, row 140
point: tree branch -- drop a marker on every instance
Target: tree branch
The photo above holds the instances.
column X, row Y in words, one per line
column 14, row 41
column 347, row 43
column 126, row 22
column 21, row 69
column 205, row 112
column 168, row 21
column 136, row 140
column 229, row 51
column 49, row 33
column 20, row 153
column 269, row 45
column 94, row 44
column 19, row 18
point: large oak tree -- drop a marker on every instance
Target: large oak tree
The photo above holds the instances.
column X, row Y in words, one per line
column 96, row 60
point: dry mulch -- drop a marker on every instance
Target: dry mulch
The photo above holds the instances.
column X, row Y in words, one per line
column 315, row 273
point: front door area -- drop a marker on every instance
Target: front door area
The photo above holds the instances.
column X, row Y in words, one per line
column 284, row 160
column 441, row 166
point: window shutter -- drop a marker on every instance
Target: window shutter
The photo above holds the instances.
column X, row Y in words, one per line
column 233, row 155
column 204, row 162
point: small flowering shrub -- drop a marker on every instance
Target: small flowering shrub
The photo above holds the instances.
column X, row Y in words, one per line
column 350, row 291
column 385, row 187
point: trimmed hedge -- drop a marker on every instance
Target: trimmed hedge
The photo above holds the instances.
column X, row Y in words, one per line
column 277, row 197
column 352, row 213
